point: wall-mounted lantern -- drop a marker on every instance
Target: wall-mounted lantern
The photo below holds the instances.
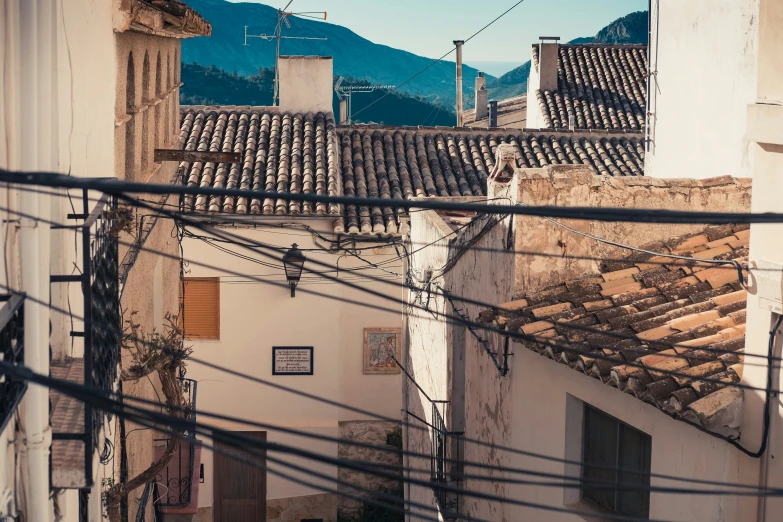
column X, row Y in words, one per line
column 293, row 261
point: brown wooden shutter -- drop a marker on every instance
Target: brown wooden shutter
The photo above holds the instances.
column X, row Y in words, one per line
column 202, row 308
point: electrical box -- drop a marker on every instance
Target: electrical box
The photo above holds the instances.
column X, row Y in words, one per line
column 769, row 279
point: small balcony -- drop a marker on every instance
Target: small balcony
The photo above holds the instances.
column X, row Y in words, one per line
column 76, row 427
column 11, row 351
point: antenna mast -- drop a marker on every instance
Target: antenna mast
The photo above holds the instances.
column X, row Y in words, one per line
column 346, row 92
column 282, row 18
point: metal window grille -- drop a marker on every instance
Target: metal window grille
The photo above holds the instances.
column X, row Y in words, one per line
column 11, row 351
column 176, row 477
column 84, row 505
column 99, row 280
column 438, row 462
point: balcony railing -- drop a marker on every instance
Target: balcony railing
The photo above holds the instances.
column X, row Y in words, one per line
column 11, row 351
column 99, row 279
column 175, row 482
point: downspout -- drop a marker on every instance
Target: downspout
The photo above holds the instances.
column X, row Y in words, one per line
column 35, row 17
column 405, row 398
column 648, row 112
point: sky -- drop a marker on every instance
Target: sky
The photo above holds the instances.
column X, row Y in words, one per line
column 427, row 27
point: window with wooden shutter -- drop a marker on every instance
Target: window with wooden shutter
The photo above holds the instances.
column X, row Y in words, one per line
column 201, row 311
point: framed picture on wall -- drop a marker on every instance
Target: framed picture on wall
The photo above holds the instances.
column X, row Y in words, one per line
column 381, row 347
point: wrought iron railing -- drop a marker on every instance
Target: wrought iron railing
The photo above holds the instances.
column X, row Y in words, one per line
column 438, row 473
column 11, row 351
column 176, row 478
column 99, row 278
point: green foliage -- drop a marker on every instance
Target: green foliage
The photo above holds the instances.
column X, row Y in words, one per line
column 353, row 55
column 213, row 86
column 394, row 437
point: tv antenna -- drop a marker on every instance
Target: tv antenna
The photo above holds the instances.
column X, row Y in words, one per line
column 282, row 18
column 347, row 91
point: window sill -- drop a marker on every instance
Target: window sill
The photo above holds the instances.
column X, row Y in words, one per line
column 585, row 508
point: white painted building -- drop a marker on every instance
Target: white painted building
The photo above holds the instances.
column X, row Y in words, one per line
column 540, row 404
column 76, row 77
column 703, row 60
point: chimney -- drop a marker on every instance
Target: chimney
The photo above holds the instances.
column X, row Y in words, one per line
column 493, row 114
column 481, row 97
column 344, row 111
column 305, row 83
column 458, row 44
column 548, row 51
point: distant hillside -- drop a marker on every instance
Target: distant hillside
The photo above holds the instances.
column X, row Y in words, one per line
column 630, row 29
column 354, row 56
column 214, row 86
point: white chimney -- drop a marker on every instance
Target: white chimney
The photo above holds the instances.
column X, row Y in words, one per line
column 305, row 83
column 481, row 97
column 548, row 51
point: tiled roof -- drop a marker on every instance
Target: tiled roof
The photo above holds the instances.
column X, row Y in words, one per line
column 165, row 18
column 601, row 86
column 285, row 152
column 67, row 416
column 511, row 112
column 281, row 152
column 636, row 310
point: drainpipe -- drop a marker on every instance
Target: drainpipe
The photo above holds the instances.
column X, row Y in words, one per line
column 35, row 18
column 459, row 43
column 405, row 418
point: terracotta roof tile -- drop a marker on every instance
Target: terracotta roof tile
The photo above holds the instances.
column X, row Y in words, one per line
column 599, row 86
column 655, row 308
column 307, row 153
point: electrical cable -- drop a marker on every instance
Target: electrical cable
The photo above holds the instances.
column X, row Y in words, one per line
column 435, row 61
column 118, row 188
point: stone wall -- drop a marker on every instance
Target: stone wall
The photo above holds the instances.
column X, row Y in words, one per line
column 367, row 432
column 578, row 186
column 294, row 509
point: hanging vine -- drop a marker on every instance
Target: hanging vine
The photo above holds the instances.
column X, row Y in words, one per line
column 163, row 353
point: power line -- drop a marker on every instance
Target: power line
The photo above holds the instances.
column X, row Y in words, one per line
column 116, row 187
column 438, row 59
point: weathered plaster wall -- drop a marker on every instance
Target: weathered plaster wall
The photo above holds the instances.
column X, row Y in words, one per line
column 447, row 361
column 306, row 83
column 256, row 316
column 539, row 390
column 575, row 186
column 704, row 52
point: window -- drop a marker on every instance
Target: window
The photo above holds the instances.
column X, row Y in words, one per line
column 145, row 126
column 619, row 454
column 130, row 125
column 201, row 307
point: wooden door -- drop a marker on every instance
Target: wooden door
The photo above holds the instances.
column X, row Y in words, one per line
column 240, row 482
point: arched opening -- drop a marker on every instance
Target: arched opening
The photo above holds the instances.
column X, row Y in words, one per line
column 130, row 125
column 145, row 126
column 159, row 130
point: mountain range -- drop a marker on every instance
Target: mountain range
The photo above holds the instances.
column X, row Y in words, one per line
column 212, row 86
column 354, row 56
column 630, row 29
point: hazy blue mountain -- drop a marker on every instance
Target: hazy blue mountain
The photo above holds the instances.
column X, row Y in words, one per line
column 354, row 56
column 630, row 29
column 213, row 86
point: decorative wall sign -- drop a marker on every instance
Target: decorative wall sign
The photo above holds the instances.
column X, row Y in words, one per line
column 381, row 346
column 292, row 360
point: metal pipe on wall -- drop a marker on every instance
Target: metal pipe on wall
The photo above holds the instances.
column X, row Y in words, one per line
column 36, row 22
column 459, row 43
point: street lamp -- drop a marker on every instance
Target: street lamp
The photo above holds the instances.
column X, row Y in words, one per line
column 293, row 261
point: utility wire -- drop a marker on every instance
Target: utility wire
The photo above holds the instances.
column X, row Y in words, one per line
column 118, row 188
column 435, row 61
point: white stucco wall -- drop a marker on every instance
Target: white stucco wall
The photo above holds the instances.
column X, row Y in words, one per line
column 535, row 119
column 305, row 83
column 765, row 137
column 539, row 388
column 255, row 317
column 704, row 52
